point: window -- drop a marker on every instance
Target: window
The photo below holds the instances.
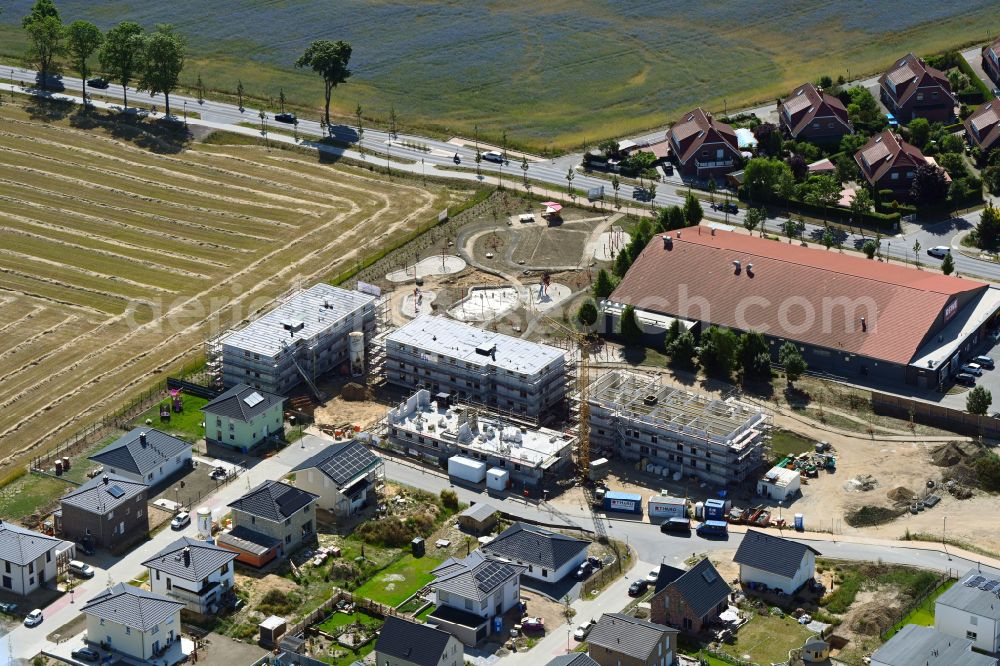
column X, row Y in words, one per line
column 102, row 621
column 157, row 574
column 48, row 556
column 288, row 538
column 545, row 573
column 895, row 175
column 155, row 630
column 170, row 584
column 6, row 567
column 971, row 635
column 218, row 421
column 31, row 567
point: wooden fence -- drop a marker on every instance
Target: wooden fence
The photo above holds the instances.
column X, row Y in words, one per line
column 937, row 416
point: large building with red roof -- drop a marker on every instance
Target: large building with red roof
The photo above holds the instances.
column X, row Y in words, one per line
column 851, row 316
column 913, row 89
column 704, row 147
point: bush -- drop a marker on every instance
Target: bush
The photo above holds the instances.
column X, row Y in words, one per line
column 277, row 602
column 449, row 499
column 988, row 472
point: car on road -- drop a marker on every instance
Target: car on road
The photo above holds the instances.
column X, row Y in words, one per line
column 939, row 251
column 584, row 571
column 99, row 82
column 637, row 588
column 996, row 92
column 7, row 607
column 81, row 569
column 972, row 369
column 533, row 624
column 85, row 654
column 676, row 524
column 581, row 632
column 965, row 379
column 984, row 362
column 34, row 618
column 180, row 521
column 726, row 207
column 493, row 156
column 285, row 118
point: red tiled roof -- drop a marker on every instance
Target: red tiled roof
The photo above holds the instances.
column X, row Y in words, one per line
column 807, row 102
column 983, row 126
column 900, row 304
column 884, row 151
column 696, row 129
column 910, row 73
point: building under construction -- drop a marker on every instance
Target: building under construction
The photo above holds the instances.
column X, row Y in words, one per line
column 676, row 432
column 309, row 333
column 435, row 429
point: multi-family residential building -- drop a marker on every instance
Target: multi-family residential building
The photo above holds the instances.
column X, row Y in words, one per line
column 982, row 127
column 197, row 573
column 109, row 511
column 689, row 600
column 889, row 163
column 243, row 417
column 775, row 563
column 135, row 623
column 810, row 114
column 437, row 429
column 269, row 522
column 634, row 417
column 991, row 61
column 29, row 560
column 469, row 593
column 970, row 609
column 704, row 147
column 548, row 556
column 912, row 89
column 474, row 365
column 622, row 640
column 302, row 338
column 341, row 476
column 145, row 455
column 915, row 645
column 408, row 643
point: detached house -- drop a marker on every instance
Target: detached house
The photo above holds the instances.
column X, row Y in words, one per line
column 622, row 640
column 809, row 114
column 29, row 560
column 775, row 563
column 910, row 89
column 470, row 592
column 548, row 556
column 970, row 609
column 889, row 163
column 145, row 455
column 914, row 645
column 704, row 147
column 270, row 521
column 982, row 128
column 689, row 600
column 109, row 511
column 197, row 573
column 991, row 61
column 407, row 643
column 135, row 623
column 341, row 476
column 243, row 417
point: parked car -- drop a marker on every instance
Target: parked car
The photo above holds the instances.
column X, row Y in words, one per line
column 584, row 571
column 99, row 82
column 891, row 120
column 965, row 379
column 995, row 336
column 493, row 156
column 7, row 607
column 581, row 632
column 652, row 576
column 676, row 524
column 85, row 654
column 218, row 473
column 596, row 562
column 726, row 207
column 533, row 624
column 996, row 92
column 34, row 618
column 180, row 521
column 984, row 362
column 81, row 569
column 638, row 588
column 87, row 548
column 973, row 369
column 939, row 251
column 285, row 118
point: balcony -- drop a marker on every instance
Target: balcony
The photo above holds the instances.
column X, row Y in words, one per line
column 715, row 164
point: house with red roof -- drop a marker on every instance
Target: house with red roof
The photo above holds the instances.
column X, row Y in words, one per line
column 703, row 147
column 991, row 61
column 912, row 89
column 851, row 316
column 982, row 128
column 889, row 163
column 809, row 114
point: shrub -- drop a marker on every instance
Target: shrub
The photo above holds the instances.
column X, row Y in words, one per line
column 277, row 602
column 449, row 499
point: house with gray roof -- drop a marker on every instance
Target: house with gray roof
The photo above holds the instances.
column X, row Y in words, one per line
column 622, row 640
column 146, row 455
column 470, row 592
column 134, row 622
column 242, row 418
column 573, row 659
column 775, row 563
column 927, row 646
column 479, row 518
column 548, row 556
column 408, row 643
column 269, row 522
column 689, row 600
column 108, row 511
column 197, row 573
column 970, row 609
column 341, row 476
column 28, row 559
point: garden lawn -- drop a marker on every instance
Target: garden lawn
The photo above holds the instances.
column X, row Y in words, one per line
column 766, row 639
column 787, row 443
column 337, row 620
column 388, row 588
column 30, row 494
column 923, row 613
column 187, row 424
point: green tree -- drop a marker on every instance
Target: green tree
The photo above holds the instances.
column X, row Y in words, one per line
column 869, row 248
column 449, row 499
column 824, row 191
column 162, row 62
column 920, row 132
column 83, row 38
column 916, row 253
column 674, row 331
column 652, row 197
column 281, row 100
column 754, row 219
column 199, row 88
column 121, row 54
column 790, row 228
column 616, row 183
column 948, row 264
column 718, row 352
column 754, row 356
column 359, row 128
column 761, row 178
column 587, row 314
column 570, row 175
column 630, row 330
column 604, row 284
column 692, row 210
column 827, row 238
column 608, row 147
column 329, row 59
column 861, row 205
column 45, row 40
column 675, row 218
column 524, row 168
column 791, row 358
column 987, row 470
column 623, row 262
column 712, row 187
column 978, row 401
column 988, row 228
column 239, row 93
column 682, row 351
column 929, row 186
column 42, row 9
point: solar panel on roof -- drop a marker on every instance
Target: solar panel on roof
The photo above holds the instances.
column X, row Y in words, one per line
column 116, row 491
column 974, row 581
column 253, row 399
column 491, row 576
column 708, row 575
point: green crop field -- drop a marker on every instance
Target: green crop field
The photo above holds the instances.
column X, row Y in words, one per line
column 120, row 252
column 554, row 74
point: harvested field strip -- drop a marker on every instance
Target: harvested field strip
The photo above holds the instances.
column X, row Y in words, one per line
column 37, row 337
column 24, row 327
column 39, row 352
column 90, row 303
column 81, row 282
column 20, row 308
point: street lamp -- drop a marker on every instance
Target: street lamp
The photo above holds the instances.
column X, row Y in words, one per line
column 944, row 542
column 185, row 113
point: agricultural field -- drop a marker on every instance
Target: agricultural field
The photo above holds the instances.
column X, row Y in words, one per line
column 554, row 74
column 120, row 253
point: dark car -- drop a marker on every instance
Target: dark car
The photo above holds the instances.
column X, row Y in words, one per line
column 726, row 207
column 596, row 562
column 85, row 653
column 965, row 379
column 285, row 118
column 86, row 547
column 984, row 362
column 676, row 524
column 7, row 607
column 637, row 588
column 584, row 570
column 99, row 82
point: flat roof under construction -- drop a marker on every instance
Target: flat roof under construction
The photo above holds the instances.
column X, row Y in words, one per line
column 486, row 433
column 725, row 421
column 302, row 316
column 454, row 339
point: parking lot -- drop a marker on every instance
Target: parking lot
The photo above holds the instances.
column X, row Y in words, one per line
column 990, row 380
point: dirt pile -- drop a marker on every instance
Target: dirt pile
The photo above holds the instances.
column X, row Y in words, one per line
column 861, row 483
column 354, row 392
column 870, row 516
column 873, row 618
column 953, row 453
column 901, row 494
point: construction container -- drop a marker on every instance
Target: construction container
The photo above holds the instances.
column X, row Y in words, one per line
column 717, row 509
column 466, row 469
column 497, row 479
column 699, row 511
column 799, row 522
column 665, row 506
column 624, row 502
column 356, row 348
column 598, row 469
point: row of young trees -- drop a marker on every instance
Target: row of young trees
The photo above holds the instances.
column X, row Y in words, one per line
column 126, row 53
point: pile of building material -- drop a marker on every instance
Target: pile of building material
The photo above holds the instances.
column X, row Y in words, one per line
column 952, row 453
column 901, row 495
column 861, row 483
column 354, row 392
